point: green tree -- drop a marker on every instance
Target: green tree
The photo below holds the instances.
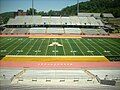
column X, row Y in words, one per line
column 29, row 11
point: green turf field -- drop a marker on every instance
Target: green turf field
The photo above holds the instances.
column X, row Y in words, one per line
column 72, row 47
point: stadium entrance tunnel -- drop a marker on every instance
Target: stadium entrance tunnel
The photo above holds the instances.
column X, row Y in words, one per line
column 108, row 82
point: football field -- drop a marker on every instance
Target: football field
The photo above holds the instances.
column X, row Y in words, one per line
column 59, row 46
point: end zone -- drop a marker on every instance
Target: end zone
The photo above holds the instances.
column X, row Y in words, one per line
column 25, row 58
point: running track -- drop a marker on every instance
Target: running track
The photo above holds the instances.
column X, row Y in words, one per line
column 8, row 64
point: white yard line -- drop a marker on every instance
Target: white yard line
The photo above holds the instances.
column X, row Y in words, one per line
column 115, row 42
column 63, row 47
column 24, row 46
column 47, row 47
column 86, row 47
column 70, row 47
column 50, row 56
column 11, row 45
column 39, row 47
column 8, row 42
column 3, row 40
column 111, row 46
column 16, row 47
column 31, row 47
column 98, row 46
column 93, row 47
column 55, row 49
column 78, row 47
column 102, row 47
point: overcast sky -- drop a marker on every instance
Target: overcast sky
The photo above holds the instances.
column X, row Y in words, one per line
column 40, row 5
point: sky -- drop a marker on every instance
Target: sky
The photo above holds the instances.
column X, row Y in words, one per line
column 40, row 5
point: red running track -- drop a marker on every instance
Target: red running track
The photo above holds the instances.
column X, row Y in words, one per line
column 5, row 64
column 42, row 35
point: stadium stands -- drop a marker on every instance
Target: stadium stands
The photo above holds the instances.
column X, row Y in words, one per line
column 84, row 21
column 37, row 30
column 54, row 25
column 37, row 20
column 55, row 30
column 90, row 31
column 7, row 31
column 11, row 22
column 8, row 74
column 50, row 20
column 110, row 75
column 55, row 74
column 20, row 31
column 55, row 20
column 16, row 31
column 96, row 15
column 19, row 20
column 65, row 21
column 74, row 20
column 92, row 21
column 72, row 31
column 45, row 21
column 87, row 31
column 100, row 23
column 101, row 31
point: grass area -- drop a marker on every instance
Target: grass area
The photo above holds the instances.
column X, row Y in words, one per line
column 68, row 47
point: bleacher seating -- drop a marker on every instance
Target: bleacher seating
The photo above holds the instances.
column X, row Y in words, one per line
column 20, row 31
column 74, row 20
column 101, row 31
column 65, row 21
column 87, row 31
column 7, row 31
column 84, row 21
column 37, row 20
column 55, row 30
column 70, row 25
column 100, row 23
column 92, row 21
column 8, row 74
column 19, row 20
column 110, row 75
column 45, row 21
column 55, row 20
column 72, row 30
column 37, row 30
column 90, row 31
column 49, row 74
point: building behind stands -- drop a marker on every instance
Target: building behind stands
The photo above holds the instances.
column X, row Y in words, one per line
column 96, row 15
column 20, row 13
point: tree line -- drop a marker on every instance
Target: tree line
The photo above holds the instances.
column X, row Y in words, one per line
column 95, row 6
column 92, row 6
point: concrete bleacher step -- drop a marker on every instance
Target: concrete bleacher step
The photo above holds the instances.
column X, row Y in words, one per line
column 5, row 82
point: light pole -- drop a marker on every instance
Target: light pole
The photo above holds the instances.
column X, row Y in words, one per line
column 32, row 8
column 77, row 7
